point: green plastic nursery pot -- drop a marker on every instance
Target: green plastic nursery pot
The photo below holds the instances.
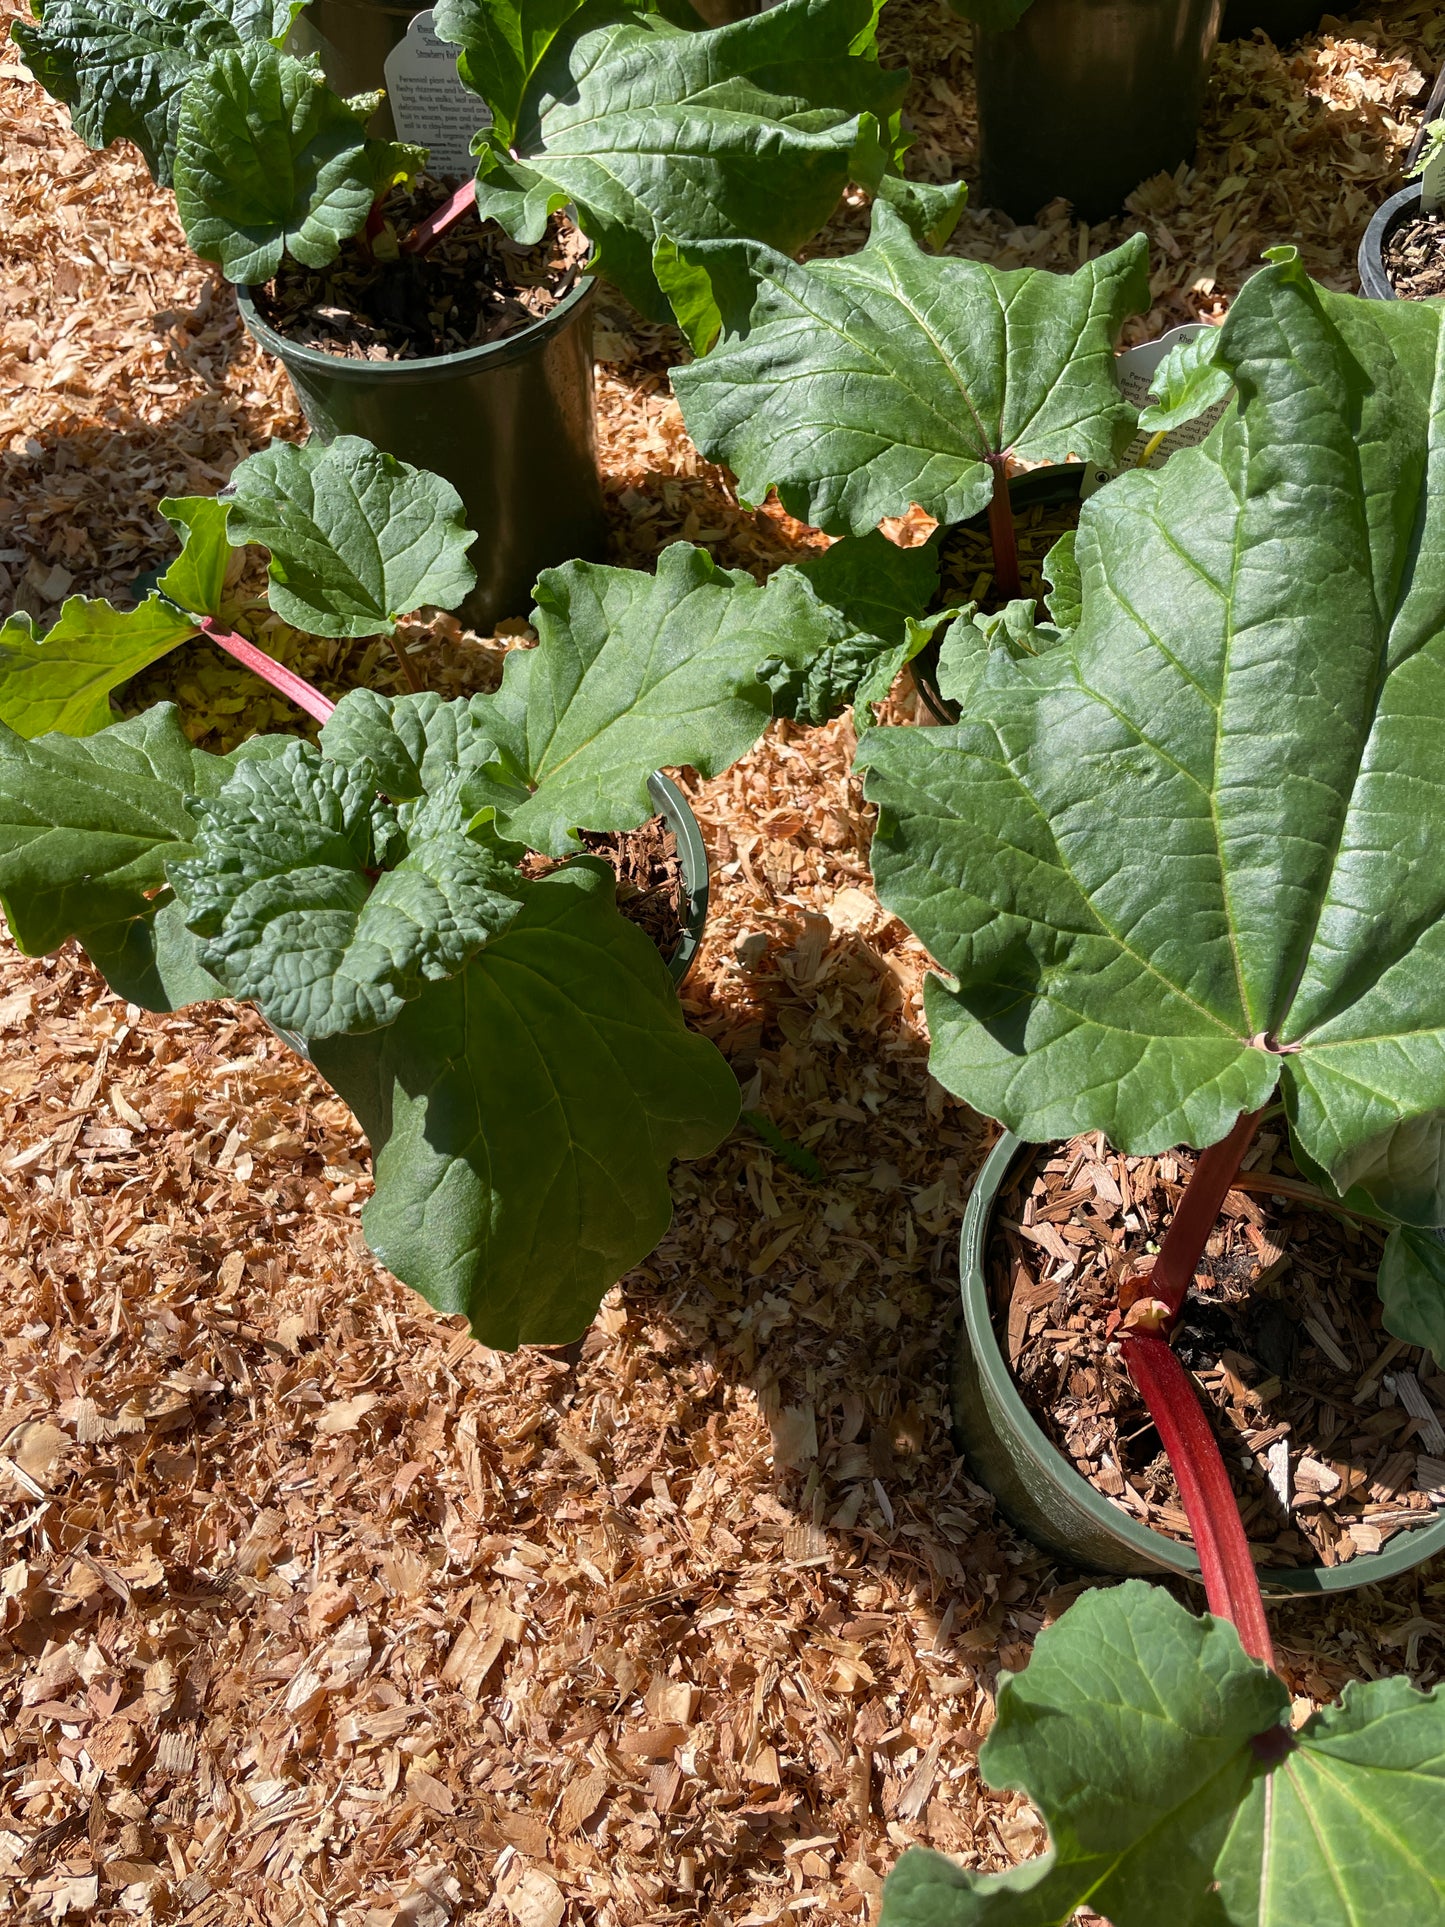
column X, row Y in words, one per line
column 1087, row 98
column 1400, row 207
column 510, row 425
column 1282, row 20
column 1040, row 1491
column 353, row 38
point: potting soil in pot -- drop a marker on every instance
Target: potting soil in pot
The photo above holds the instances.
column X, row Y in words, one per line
column 1330, row 1429
column 966, row 557
column 651, row 889
column 1415, row 257
column 474, row 286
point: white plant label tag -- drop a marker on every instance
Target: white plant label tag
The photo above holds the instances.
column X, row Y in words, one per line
column 429, row 104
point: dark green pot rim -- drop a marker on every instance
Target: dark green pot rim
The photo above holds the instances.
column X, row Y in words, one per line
column 453, row 367
column 1412, row 1546
column 676, row 812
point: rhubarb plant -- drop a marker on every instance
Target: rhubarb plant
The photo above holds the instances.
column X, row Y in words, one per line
column 886, row 380
column 356, row 540
column 408, row 899
column 266, row 161
column 660, row 133
column 1180, row 858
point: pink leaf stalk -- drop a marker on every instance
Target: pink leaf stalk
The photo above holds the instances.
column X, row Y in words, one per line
column 1230, row 1584
column 427, row 233
column 269, row 670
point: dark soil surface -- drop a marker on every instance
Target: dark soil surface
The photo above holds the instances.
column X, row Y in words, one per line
column 1415, row 257
column 651, row 889
column 1330, row 1428
column 475, row 286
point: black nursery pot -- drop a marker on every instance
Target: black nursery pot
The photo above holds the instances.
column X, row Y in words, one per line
column 1282, row 20
column 510, row 425
column 1041, row 1492
column 1087, row 98
column 1401, row 207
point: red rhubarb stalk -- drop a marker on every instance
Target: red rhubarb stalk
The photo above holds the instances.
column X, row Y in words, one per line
column 427, row 233
column 1001, row 530
column 1230, row 1584
column 269, row 670
column 1194, row 1218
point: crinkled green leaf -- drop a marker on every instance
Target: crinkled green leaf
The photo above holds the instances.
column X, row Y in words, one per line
column 1187, row 383
column 87, row 823
column 634, row 672
column 120, row 65
column 1205, row 822
column 269, row 162
column 929, row 210
column 1131, row 1732
column 652, row 131
column 357, row 538
column 523, row 1116
column 1412, row 1287
column 196, row 580
column 861, row 386
column 319, row 900
column 880, row 590
column 62, row 680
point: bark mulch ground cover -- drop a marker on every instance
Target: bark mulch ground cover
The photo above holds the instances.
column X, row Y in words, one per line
column 312, row 1610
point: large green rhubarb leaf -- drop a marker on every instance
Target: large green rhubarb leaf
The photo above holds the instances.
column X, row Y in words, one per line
column 324, row 903
column 633, row 672
column 658, row 134
column 862, row 386
column 270, row 162
column 62, row 681
column 87, row 824
column 502, row 44
column 524, row 1114
column 1194, row 848
column 881, row 380
column 120, row 65
column 1132, row 1730
column 357, row 538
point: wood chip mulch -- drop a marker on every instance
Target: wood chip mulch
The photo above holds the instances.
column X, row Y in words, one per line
column 312, row 1610
column 1415, row 258
column 1330, row 1429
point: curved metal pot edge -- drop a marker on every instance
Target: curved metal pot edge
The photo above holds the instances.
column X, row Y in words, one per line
column 1412, row 1548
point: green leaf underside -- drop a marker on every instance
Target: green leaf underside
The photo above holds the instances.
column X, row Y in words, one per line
column 120, row 65
column 863, row 386
column 502, row 43
column 62, row 681
column 88, row 823
column 634, row 672
column 326, row 905
column 654, row 132
column 1412, row 1287
column 1130, row 1731
column 196, row 580
column 524, row 1114
column 1208, row 813
column 357, row 538
column 269, row 162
